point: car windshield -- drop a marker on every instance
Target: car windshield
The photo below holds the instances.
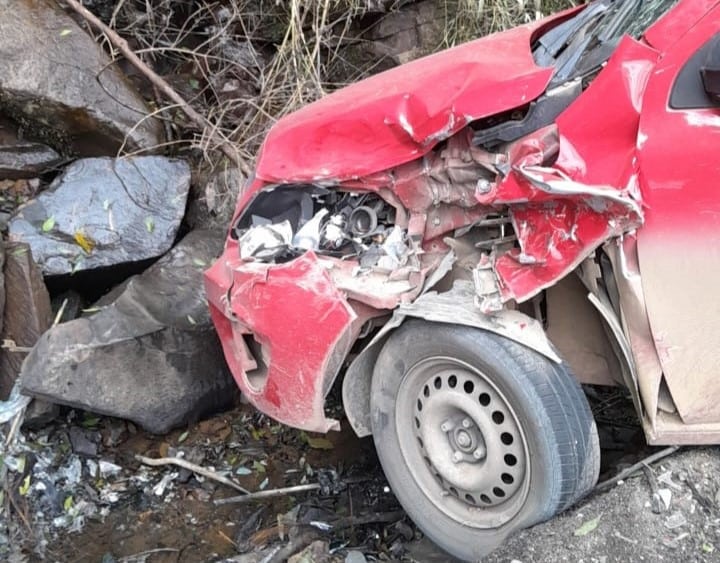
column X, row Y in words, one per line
column 580, row 45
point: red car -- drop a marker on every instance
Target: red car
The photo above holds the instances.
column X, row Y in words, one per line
column 462, row 241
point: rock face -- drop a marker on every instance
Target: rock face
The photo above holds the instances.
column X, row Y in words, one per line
column 152, row 356
column 213, row 198
column 27, row 311
column 58, row 82
column 26, row 160
column 103, row 212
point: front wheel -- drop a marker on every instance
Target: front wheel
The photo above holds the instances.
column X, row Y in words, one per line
column 478, row 436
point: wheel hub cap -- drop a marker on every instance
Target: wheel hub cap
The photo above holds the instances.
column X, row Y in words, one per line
column 462, row 442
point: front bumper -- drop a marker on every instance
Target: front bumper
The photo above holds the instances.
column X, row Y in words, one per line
column 302, row 324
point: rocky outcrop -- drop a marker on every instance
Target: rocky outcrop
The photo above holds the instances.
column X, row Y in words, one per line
column 56, row 81
column 27, row 312
column 26, row 160
column 103, row 212
column 152, row 356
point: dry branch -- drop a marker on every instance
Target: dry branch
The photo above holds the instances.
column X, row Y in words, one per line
column 159, row 82
column 155, row 462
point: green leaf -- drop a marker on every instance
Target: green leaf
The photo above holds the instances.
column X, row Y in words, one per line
column 199, row 263
column 48, row 224
column 182, row 437
column 25, row 487
column 194, row 84
column 67, row 505
column 21, row 251
column 258, row 467
column 149, row 224
column 191, row 320
column 65, row 32
column 320, row 443
column 587, row 527
column 708, row 547
column 90, row 421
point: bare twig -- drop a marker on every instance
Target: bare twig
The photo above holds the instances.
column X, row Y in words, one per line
column 179, row 462
column 160, row 83
column 270, row 493
column 625, row 473
column 144, row 554
column 260, row 495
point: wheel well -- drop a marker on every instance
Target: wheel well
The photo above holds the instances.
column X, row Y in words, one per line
column 578, row 331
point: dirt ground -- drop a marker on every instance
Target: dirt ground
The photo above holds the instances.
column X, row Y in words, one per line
column 167, row 514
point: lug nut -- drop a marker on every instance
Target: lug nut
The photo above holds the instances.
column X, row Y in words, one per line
column 467, row 423
column 479, row 453
column 463, row 439
column 447, row 426
column 457, row 457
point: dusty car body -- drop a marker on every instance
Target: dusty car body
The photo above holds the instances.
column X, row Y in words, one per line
column 552, row 184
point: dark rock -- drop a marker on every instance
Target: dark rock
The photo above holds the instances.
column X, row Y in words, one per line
column 396, row 37
column 419, row 29
column 84, row 442
column 39, row 413
column 152, row 356
column 56, row 81
column 27, row 312
column 26, row 160
column 213, row 196
column 103, row 212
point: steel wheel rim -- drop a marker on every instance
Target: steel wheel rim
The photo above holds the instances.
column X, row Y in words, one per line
column 462, row 442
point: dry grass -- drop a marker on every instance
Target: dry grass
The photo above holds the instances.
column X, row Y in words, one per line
column 245, row 63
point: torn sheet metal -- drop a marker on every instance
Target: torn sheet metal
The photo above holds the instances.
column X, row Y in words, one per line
column 564, row 210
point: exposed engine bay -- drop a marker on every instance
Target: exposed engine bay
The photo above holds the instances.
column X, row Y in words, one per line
column 341, row 225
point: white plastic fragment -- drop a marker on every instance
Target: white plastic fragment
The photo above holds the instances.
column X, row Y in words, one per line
column 665, row 495
column 308, row 236
column 264, row 242
column 107, row 468
column 162, row 485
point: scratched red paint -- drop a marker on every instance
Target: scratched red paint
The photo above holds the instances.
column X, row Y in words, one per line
column 380, row 135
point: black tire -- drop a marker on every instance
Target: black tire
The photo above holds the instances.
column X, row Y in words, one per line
column 552, row 434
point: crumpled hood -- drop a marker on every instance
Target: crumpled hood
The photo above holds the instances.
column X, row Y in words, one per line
column 398, row 115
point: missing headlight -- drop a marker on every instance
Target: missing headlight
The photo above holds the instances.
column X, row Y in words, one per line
column 283, row 222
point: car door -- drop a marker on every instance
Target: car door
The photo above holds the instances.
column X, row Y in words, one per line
column 679, row 245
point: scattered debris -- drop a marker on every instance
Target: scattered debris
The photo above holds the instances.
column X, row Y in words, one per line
column 675, row 520
column 624, row 474
column 156, row 462
column 587, row 527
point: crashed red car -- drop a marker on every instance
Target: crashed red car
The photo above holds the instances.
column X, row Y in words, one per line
column 469, row 237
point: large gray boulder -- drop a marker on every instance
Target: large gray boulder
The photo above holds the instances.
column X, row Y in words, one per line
column 56, row 81
column 104, row 212
column 152, row 356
